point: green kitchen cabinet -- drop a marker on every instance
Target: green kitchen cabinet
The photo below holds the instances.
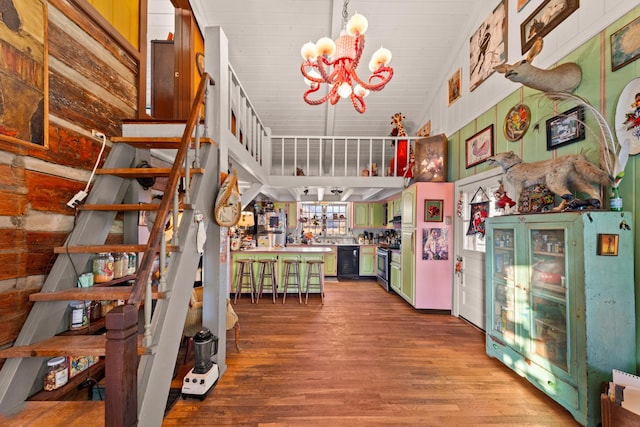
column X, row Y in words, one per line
column 396, row 271
column 331, row 262
column 409, row 207
column 368, row 215
column 408, row 265
column 367, row 260
column 560, row 302
column 360, row 215
column 289, row 208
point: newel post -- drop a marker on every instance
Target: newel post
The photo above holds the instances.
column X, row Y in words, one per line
column 121, row 367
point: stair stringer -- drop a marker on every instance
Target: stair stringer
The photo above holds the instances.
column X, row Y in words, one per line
column 46, row 318
column 155, row 371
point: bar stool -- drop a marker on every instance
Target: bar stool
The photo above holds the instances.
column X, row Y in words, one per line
column 315, row 270
column 267, row 270
column 244, row 270
column 292, row 277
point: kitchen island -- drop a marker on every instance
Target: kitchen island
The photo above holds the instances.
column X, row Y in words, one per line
column 301, row 253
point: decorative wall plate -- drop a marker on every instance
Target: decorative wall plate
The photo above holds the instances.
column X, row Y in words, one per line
column 627, row 121
column 517, row 122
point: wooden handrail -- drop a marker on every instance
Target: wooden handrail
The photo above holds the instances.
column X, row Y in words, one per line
column 146, row 264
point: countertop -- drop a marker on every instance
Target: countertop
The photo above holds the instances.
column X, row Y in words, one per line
column 305, row 249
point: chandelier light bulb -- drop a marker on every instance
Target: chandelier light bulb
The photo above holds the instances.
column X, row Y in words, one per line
column 309, row 51
column 357, row 25
column 380, row 58
column 360, row 91
column 312, row 73
column 326, row 46
column 344, row 90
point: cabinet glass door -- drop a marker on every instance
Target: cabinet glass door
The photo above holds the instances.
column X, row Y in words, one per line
column 548, row 296
column 504, row 296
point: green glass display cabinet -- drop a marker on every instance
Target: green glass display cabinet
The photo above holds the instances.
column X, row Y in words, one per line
column 560, row 302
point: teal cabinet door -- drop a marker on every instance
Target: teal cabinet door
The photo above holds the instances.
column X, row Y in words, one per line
column 560, row 309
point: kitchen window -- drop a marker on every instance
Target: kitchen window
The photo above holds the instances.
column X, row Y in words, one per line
column 325, row 219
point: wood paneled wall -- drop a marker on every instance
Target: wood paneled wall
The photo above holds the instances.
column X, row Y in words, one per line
column 93, row 84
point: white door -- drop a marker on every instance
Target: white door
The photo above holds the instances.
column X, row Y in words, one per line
column 469, row 282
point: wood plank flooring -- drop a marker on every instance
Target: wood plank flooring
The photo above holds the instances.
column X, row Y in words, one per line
column 364, row 358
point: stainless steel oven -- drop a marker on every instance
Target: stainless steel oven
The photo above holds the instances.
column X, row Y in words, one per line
column 382, row 267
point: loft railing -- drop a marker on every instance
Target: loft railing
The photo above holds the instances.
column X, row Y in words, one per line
column 313, row 155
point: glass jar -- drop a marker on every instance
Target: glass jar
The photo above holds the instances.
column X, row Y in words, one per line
column 102, row 268
column 57, row 373
column 79, row 315
column 133, row 263
column 120, row 265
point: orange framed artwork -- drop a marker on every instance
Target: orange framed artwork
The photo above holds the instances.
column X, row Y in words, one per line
column 455, row 88
column 24, row 99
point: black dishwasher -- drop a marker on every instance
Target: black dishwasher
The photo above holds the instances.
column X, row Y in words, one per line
column 348, row 262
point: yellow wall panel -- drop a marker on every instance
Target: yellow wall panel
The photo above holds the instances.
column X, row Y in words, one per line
column 124, row 15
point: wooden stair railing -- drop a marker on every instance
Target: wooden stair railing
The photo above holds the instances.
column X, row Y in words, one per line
column 122, row 345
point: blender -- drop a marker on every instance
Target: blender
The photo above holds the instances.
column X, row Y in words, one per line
column 204, row 375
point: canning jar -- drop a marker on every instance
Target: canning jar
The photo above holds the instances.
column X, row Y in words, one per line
column 79, row 315
column 133, row 263
column 120, row 265
column 102, row 268
column 57, row 373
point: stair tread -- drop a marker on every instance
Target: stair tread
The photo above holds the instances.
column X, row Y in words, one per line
column 145, row 172
column 72, row 412
column 156, row 142
column 83, row 249
column 65, row 345
column 128, row 207
column 92, row 293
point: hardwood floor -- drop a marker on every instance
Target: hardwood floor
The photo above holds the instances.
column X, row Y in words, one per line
column 364, row 358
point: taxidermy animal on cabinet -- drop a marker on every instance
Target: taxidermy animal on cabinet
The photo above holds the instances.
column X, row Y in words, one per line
column 561, row 175
column 563, row 78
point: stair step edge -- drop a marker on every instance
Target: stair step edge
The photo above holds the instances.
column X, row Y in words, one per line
column 67, row 345
column 92, row 293
column 96, row 249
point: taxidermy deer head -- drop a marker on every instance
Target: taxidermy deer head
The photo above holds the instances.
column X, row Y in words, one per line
column 563, row 78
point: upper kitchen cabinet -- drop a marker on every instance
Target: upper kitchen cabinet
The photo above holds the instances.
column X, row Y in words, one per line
column 409, row 206
column 368, row 215
column 290, row 209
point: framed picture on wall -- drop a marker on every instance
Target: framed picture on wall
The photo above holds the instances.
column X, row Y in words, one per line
column 488, row 46
column 455, row 88
column 565, row 128
column 479, row 147
column 625, row 47
column 544, row 19
column 433, row 210
column 24, row 114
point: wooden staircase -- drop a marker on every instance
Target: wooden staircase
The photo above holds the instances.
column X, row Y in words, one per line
column 135, row 357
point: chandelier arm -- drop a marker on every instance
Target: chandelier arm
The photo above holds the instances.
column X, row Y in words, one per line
column 358, row 103
column 318, row 101
column 383, row 73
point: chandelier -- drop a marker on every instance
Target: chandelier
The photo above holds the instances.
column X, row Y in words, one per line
column 335, row 64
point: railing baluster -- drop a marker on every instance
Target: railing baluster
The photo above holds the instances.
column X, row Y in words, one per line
column 176, row 216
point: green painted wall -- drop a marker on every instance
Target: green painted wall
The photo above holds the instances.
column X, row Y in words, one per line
column 602, row 88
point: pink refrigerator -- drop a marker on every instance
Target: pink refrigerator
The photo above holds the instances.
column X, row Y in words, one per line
column 427, row 245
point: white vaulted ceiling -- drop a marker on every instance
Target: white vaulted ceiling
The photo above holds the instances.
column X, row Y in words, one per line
column 265, row 37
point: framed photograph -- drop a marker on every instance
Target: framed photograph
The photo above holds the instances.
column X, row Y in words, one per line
column 516, row 122
column 624, row 45
column 608, row 244
column 24, row 85
column 479, row 147
column 433, row 210
column 455, row 88
column 488, row 46
column 435, row 244
column 627, row 119
column 544, row 19
column 565, row 128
